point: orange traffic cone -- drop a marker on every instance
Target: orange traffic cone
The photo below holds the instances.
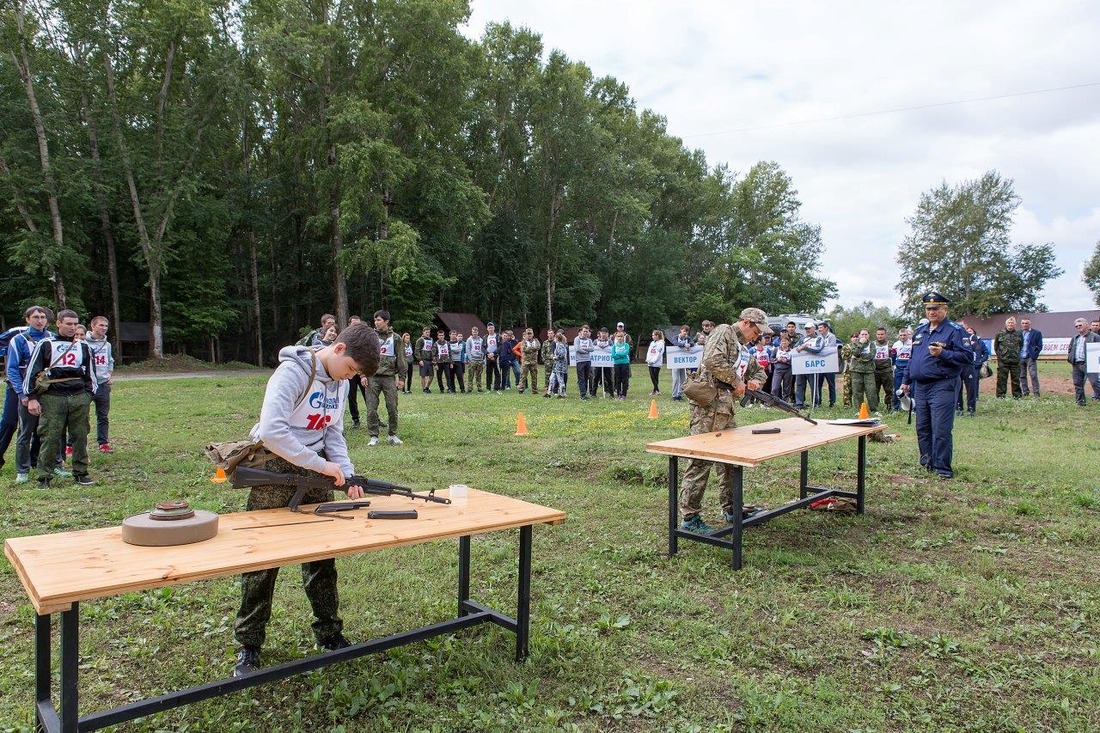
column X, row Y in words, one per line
column 219, row 476
column 864, row 413
column 653, row 414
column 521, row 425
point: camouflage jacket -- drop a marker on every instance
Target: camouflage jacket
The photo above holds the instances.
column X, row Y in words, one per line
column 392, row 361
column 548, row 351
column 859, row 357
column 530, row 351
column 1007, row 345
column 726, row 360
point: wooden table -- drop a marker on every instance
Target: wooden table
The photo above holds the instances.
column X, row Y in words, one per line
column 740, row 448
column 59, row 571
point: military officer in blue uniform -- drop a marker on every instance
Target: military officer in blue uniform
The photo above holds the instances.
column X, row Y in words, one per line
column 940, row 352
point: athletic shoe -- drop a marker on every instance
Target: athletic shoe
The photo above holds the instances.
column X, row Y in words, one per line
column 85, row 480
column 248, row 661
column 43, row 482
column 62, row 473
column 106, row 448
column 334, row 642
column 68, row 451
column 394, row 440
column 695, row 524
column 373, row 440
column 355, row 424
column 22, row 478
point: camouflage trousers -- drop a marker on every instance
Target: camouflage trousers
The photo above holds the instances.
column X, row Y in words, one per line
column 477, row 371
column 863, row 388
column 884, row 382
column 847, row 392
column 258, row 588
column 716, row 416
column 530, row 377
column 61, row 412
column 386, row 385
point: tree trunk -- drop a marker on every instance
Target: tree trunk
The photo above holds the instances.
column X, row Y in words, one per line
column 105, row 224
column 254, row 267
column 23, row 63
column 339, row 282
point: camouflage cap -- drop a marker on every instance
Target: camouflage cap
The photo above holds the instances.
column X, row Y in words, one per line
column 759, row 317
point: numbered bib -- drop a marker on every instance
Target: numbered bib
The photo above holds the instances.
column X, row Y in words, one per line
column 386, row 347
column 67, row 354
column 882, row 352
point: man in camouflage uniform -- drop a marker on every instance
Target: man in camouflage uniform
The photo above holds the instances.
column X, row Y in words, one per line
column 729, row 366
column 529, row 360
column 859, row 356
column 1006, row 346
column 389, row 378
column 422, row 352
column 884, row 369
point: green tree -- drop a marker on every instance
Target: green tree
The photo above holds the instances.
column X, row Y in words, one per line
column 867, row 315
column 960, row 244
column 1091, row 274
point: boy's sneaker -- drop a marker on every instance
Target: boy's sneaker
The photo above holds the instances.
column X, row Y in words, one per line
column 394, row 440
column 373, row 440
column 62, row 473
column 334, row 642
column 85, row 480
column 695, row 524
column 22, row 478
column 248, row 661
column 106, row 448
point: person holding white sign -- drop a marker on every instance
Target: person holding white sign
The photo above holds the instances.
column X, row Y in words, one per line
column 583, row 346
column 1076, row 357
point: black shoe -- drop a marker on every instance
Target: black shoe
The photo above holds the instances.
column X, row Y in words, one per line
column 85, row 480
column 334, row 642
column 248, row 661
column 355, row 424
column 44, row 482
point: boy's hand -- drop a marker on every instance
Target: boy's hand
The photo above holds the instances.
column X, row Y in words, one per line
column 333, row 470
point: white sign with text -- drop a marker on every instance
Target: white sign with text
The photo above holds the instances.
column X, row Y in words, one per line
column 815, row 363
column 1092, row 358
column 677, row 358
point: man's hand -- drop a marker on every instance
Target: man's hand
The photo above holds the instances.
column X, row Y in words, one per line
column 905, row 389
column 333, row 470
column 401, row 384
column 935, row 348
column 34, row 407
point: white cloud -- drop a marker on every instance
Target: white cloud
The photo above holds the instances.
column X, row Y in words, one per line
column 769, row 78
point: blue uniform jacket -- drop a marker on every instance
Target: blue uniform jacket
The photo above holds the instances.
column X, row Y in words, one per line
column 923, row 367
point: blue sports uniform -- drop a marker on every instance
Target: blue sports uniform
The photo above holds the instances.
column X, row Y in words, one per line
column 933, row 382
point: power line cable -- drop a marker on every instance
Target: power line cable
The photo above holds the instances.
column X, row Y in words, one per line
column 894, row 110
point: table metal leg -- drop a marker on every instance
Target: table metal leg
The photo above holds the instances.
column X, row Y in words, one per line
column 523, row 607
column 861, row 472
column 463, row 574
column 803, row 474
column 70, row 666
column 42, row 679
column 673, row 501
column 737, row 476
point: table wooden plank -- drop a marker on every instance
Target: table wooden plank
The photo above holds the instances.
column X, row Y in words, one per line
column 59, row 569
column 741, row 448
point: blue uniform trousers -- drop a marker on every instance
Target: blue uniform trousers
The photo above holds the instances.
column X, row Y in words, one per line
column 934, row 407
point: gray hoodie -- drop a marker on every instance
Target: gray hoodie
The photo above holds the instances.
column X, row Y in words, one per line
column 103, row 358
column 317, row 424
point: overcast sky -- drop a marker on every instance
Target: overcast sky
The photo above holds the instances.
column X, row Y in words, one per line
column 803, row 83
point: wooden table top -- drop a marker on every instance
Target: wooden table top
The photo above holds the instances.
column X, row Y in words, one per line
column 59, row 569
column 740, row 447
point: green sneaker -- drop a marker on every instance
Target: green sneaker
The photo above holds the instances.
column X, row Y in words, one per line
column 748, row 511
column 62, row 473
column 695, row 524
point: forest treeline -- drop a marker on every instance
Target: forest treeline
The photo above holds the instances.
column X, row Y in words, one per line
column 227, row 171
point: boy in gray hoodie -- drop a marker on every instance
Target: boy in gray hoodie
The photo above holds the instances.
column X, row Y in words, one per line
column 301, row 424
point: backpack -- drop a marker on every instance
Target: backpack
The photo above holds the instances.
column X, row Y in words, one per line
column 5, row 341
column 307, row 339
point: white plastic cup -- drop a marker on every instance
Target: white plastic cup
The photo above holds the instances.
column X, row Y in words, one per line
column 458, row 491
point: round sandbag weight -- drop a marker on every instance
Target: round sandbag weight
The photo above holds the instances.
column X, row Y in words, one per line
column 169, row 523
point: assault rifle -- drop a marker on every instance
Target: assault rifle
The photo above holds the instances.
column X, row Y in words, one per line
column 772, row 401
column 245, row 478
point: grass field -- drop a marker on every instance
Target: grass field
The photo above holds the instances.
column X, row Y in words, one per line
column 965, row 605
